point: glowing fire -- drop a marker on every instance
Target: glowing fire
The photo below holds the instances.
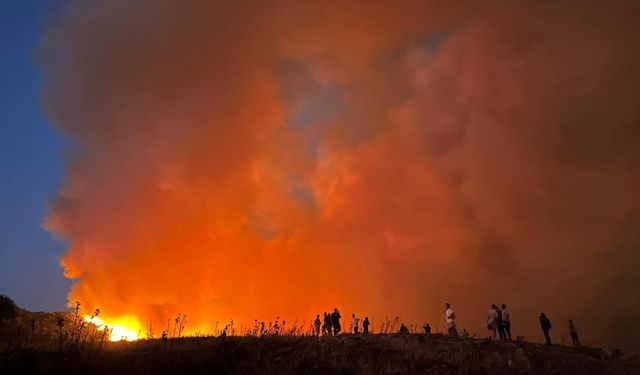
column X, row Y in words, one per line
column 313, row 161
column 124, row 328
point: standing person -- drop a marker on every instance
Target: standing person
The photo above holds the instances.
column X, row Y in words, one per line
column 316, row 326
column 545, row 324
column 506, row 322
column 492, row 320
column 501, row 333
column 450, row 317
column 427, row 329
column 574, row 333
column 326, row 327
column 356, row 322
column 164, row 339
column 335, row 321
column 365, row 325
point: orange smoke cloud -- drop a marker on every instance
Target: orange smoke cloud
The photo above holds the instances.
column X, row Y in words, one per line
column 263, row 159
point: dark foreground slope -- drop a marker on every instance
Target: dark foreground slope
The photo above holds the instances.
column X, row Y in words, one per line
column 375, row 354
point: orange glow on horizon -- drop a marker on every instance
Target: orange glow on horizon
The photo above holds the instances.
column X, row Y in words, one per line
column 124, row 328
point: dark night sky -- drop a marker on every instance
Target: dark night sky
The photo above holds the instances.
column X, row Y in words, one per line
column 31, row 166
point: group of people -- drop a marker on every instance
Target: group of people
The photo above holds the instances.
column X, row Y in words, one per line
column 331, row 324
column 545, row 325
column 499, row 324
column 499, row 321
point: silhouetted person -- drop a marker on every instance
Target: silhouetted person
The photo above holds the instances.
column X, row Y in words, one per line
column 545, row 324
column 427, row 329
column 326, row 328
column 574, row 333
column 356, row 323
column 506, row 322
column 492, row 320
column 164, row 339
column 365, row 325
column 403, row 329
column 335, row 321
column 450, row 316
column 316, row 326
column 501, row 332
column 465, row 333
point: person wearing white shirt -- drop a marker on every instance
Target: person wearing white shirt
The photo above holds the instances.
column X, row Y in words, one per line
column 450, row 317
column 356, row 321
column 492, row 320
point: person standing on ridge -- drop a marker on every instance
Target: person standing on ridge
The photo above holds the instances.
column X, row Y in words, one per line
column 492, row 320
column 326, row 327
column 365, row 325
column 450, row 317
column 316, row 326
column 335, row 321
column 356, row 322
column 506, row 322
column 545, row 324
column 500, row 327
column 574, row 333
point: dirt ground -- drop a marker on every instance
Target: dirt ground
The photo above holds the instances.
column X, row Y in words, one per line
column 348, row 354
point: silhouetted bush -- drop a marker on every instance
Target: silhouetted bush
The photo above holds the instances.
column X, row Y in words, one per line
column 8, row 308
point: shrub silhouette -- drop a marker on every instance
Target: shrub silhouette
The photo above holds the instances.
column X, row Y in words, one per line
column 8, row 308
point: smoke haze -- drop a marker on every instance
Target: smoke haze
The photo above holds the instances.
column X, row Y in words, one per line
column 253, row 159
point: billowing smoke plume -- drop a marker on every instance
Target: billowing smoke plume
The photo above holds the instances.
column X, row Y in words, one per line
column 254, row 159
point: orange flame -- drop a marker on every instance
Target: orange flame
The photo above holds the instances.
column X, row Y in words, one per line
column 123, row 328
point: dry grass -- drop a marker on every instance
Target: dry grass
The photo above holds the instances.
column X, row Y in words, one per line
column 344, row 354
